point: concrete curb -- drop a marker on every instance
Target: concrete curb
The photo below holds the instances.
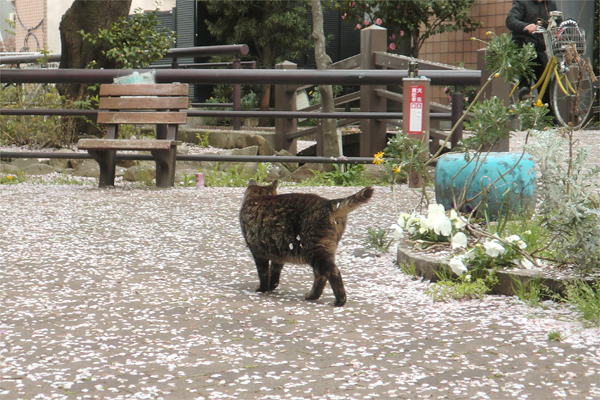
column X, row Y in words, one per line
column 426, row 267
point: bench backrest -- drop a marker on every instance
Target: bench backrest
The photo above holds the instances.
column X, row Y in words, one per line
column 143, row 104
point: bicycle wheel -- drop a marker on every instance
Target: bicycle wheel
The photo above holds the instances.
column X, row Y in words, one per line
column 572, row 97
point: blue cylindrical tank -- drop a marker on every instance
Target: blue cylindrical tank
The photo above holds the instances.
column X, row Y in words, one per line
column 488, row 177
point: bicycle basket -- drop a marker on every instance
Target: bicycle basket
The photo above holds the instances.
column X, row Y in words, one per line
column 566, row 36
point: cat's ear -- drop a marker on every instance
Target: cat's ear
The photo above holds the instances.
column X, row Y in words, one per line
column 251, row 182
column 275, row 183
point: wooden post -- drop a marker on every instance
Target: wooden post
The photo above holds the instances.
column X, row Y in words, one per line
column 498, row 88
column 415, row 110
column 373, row 133
column 457, row 112
column 285, row 101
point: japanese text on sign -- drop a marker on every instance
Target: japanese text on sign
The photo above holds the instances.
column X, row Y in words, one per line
column 415, row 117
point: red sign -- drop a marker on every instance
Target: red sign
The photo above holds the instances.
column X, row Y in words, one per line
column 415, row 109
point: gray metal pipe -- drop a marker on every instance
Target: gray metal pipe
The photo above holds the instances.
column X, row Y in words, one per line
column 29, row 58
column 230, row 49
column 196, row 157
column 246, row 76
column 238, row 114
column 233, row 49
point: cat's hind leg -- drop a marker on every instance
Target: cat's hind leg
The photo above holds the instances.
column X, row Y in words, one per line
column 275, row 273
column 262, row 267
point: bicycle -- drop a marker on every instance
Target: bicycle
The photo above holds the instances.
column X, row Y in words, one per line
column 567, row 77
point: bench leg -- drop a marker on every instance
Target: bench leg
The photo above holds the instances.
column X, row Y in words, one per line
column 165, row 167
column 107, row 161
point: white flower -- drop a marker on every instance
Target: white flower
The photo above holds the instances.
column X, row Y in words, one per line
column 441, row 225
column 398, row 231
column 438, row 221
column 493, row 248
column 468, row 277
column 424, row 225
column 436, row 209
column 525, row 263
column 516, row 240
column 457, row 266
column 403, row 219
column 459, row 240
column 459, row 222
column 470, row 255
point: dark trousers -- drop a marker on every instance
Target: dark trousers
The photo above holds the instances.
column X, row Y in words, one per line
column 538, row 69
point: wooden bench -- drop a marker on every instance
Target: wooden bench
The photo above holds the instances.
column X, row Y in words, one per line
column 159, row 104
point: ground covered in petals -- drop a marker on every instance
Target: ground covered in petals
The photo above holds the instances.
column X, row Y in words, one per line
column 149, row 294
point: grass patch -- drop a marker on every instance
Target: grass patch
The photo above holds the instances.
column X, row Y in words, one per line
column 460, row 288
column 377, row 239
column 555, row 336
column 531, row 292
column 409, row 269
column 585, row 297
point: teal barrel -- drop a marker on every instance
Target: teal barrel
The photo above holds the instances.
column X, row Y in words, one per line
column 493, row 176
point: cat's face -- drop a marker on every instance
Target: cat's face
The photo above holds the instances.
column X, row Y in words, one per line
column 255, row 190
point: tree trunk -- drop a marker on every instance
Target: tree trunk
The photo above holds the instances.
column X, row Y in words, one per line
column 89, row 16
column 265, row 100
column 332, row 142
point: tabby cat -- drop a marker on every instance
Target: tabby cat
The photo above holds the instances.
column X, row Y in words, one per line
column 297, row 228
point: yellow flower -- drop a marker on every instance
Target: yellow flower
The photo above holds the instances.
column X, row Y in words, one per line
column 9, row 177
column 396, row 169
column 489, row 33
column 378, row 158
column 496, row 74
column 538, row 103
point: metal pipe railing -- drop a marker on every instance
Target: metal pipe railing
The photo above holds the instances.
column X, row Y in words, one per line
column 198, row 51
column 246, row 76
column 195, row 157
column 239, row 114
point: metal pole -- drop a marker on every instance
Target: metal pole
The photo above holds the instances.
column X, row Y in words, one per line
column 243, row 76
column 195, row 157
column 237, row 97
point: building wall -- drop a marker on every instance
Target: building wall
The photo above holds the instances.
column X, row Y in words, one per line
column 31, row 25
column 457, row 48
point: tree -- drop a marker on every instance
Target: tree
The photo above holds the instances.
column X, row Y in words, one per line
column 89, row 16
column 331, row 140
column 410, row 23
column 274, row 30
column 134, row 41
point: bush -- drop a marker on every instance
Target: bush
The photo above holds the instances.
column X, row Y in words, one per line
column 35, row 131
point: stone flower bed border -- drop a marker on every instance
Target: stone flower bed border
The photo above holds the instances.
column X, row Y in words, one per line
column 426, row 267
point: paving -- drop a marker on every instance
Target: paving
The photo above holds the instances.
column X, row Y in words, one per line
column 134, row 293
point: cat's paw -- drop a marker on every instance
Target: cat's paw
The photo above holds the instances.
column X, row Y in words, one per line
column 311, row 296
column 340, row 302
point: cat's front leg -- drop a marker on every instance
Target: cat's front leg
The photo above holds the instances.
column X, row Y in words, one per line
column 318, row 286
column 337, row 285
column 327, row 271
column 262, row 267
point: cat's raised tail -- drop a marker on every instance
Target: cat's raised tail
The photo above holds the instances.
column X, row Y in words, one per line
column 342, row 207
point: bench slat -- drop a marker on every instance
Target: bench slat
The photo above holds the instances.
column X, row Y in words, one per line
column 140, row 103
column 107, row 117
column 175, row 89
column 125, row 144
